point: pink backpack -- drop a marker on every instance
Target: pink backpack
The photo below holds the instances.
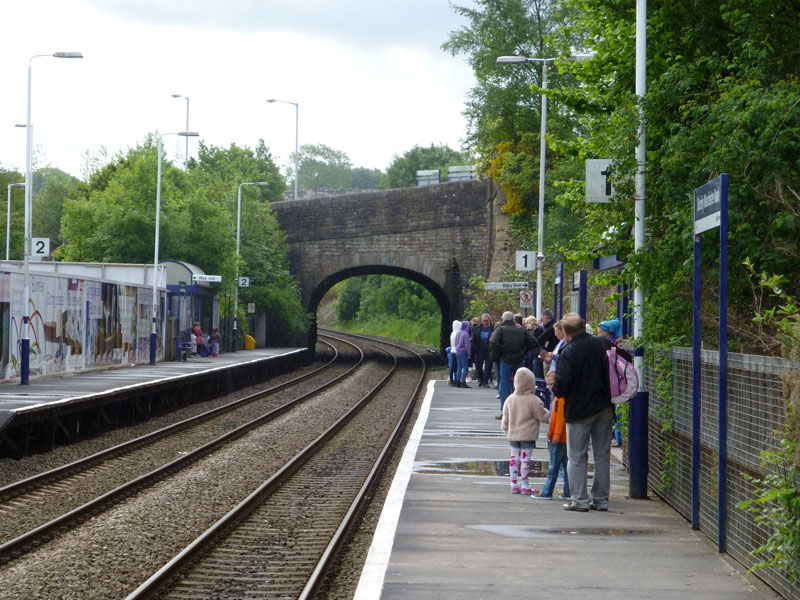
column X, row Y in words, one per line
column 623, row 377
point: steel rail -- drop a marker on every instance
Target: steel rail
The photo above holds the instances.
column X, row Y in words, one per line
column 170, row 572
column 17, row 546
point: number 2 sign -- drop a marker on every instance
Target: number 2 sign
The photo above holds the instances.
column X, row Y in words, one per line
column 40, row 247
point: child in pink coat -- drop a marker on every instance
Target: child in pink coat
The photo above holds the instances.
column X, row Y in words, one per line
column 523, row 413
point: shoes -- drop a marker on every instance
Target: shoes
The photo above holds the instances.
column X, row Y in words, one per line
column 514, row 489
column 458, row 384
column 598, row 507
column 528, row 491
column 564, row 497
column 464, row 385
column 498, row 396
column 540, row 497
column 574, row 506
column 614, row 444
column 498, row 417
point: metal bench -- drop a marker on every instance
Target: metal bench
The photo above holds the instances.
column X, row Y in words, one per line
column 184, row 350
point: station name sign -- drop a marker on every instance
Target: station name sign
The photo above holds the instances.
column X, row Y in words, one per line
column 707, row 206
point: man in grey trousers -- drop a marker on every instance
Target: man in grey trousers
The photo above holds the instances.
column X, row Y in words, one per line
column 582, row 380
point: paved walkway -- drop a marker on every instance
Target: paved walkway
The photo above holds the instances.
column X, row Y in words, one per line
column 451, row 529
column 65, row 387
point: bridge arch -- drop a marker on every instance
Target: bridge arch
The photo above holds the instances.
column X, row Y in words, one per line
column 437, row 235
column 431, row 286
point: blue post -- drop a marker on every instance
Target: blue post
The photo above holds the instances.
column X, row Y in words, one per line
column 25, row 351
column 561, row 292
column 153, row 337
column 723, row 366
column 582, row 293
column 638, row 436
column 696, row 387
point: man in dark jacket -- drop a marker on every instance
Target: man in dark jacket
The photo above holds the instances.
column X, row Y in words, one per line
column 508, row 345
column 480, row 350
column 545, row 335
column 582, row 380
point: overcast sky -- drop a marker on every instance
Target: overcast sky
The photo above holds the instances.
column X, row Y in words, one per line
column 369, row 76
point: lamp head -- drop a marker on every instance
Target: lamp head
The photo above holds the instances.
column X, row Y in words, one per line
column 511, row 60
column 176, row 96
column 68, row 54
column 188, row 133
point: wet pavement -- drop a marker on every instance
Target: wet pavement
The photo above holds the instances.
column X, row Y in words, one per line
column 452, row 529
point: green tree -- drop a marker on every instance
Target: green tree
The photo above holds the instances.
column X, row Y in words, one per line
column 402, row 171
column 366, row 179
column 17, row 212
column 55, row 186
column 323, row 168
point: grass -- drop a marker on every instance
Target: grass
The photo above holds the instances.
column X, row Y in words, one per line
column 424, row 331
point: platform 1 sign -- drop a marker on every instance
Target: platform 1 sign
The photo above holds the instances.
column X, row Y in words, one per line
column 506, row 285
column 599, row 184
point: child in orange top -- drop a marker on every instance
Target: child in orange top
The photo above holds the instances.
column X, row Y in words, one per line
column 557, row 440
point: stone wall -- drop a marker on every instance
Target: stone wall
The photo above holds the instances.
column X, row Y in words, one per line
column 437, row 235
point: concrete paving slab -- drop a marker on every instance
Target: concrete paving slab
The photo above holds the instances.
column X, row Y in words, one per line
column 458, row 532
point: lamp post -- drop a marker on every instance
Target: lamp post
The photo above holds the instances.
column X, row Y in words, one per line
column 238, row 237
column 505, row 60
column 296, row 138
column 186, row 154
column 154, row 330
column 8, row 219
column 25, row 345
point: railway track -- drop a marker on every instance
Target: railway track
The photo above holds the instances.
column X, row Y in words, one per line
column 118, row 548
column 34, row 509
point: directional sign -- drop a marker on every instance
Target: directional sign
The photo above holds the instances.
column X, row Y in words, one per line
column 209, row 278
column 244, row 282
column 506, row 285
column 599, row 183
column 526, row 299
column 526, row 260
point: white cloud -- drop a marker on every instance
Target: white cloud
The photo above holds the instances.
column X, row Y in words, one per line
column 368, row 76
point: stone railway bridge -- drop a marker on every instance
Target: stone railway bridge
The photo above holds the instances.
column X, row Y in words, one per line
column 437, row 235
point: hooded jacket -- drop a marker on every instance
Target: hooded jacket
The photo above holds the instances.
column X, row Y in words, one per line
column 456, row 328
column 523, row 411
column 462, row 339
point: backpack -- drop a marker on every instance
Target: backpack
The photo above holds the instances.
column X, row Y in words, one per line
column 623, row 377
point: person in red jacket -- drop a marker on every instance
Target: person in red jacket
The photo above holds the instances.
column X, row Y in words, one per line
column 557, row 441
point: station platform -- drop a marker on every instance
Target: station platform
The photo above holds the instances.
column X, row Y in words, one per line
column 450, row 527
column 65, row 388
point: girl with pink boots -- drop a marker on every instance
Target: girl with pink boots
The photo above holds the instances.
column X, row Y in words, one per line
column 523, row 413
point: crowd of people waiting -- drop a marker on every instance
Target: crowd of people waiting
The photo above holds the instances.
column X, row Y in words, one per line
column 517, row 354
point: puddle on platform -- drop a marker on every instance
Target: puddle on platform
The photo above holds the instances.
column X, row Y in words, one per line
column 467, row 433
column 542, row 532
column 492, row 468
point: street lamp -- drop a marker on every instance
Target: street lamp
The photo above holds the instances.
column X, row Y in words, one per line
column 153, row 331
column 186, row 155
column 296, row 132
column 8, row 219
column 510, row 60
column 238, row 235
column 25, row 342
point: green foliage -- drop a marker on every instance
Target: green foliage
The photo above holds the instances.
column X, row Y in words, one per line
column 776, row 506
column 17, row 213
column 112, row 219
column 54, row 187
column 387, row 305
column 776, row 501
column 324, row 168
column 402, row 171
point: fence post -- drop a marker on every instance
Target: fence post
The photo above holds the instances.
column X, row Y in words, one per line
column 637, row 445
